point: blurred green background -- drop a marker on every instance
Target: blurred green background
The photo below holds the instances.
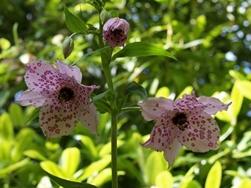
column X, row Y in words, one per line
column 211, row 40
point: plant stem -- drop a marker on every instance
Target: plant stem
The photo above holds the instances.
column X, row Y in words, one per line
column 114, row 114
column 106, row 59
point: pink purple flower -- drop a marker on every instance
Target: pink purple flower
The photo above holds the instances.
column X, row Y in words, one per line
column 187, row 121
column 115, row 32
column 62, row 98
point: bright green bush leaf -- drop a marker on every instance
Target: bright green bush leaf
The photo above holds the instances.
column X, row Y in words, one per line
column 6, row 127
column 64, row 182
column 214, row 176
column 245, row 183
column 70, row 160
column 24, row 141
column 186, row 90
column 155, row 164
column 235, row 107
column 53, row 169
column 88, row 144
column 106, row 149
column 95, row 167
column 9, row 169
column 16, row 114
column 74, row 23
column 4, row 44
column 140, row 49
column 164, row 180
column 163, row 92
column 33, row 154
column 193, row 184
column 244, row 87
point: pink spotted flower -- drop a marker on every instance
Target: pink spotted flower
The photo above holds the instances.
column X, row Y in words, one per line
column 62, row 98
column 115, row 32
column 187, row 121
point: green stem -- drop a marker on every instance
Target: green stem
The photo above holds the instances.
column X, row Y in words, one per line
column 106, row 59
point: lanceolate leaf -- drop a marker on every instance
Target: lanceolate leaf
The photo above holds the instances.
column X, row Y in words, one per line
column 140, row 49
column 67, row 183
column 73, row 22
column 214, row 176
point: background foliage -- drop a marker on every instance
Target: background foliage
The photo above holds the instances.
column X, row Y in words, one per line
column 211, row 41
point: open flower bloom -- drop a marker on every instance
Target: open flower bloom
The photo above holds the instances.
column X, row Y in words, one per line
column 186, row 121
column 115, row 32
column 62, row 98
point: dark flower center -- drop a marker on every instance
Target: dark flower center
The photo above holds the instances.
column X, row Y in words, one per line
column 180, row 120
column 117, row 32
column 65, row 94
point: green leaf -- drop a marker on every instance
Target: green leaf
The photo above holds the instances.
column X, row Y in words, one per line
column 6, row 127
column 244, row 87
column 193, row 184
column 135, row 88
column 245, row 183
column 102, row 177
column 64, row 182
column 24, row 141
column 164, row 180
column 70, row 160
column 9, row 169
column 235, row 107
column 140, row 49
column 33, row 154
column 53, row 168
column 187, row 90
column 16, row 114
column 214, row 176
column 237, row 75
column 163, row 92
column 155, row 164
column 88, row 144
column 106, row 149
column 95, row 167
column 73, row 22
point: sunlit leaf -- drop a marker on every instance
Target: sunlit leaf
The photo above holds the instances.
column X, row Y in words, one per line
column 65, row 182
column 53, row 169
column 163, row 92
column 193, row 184
column 16, row 114
column 6, row 127
column 155, row 164
column 235, row 107
column 164, row 180
column 33, row 154
column 140, row 49
column 245, row 183
column 70, row 160
column 214, row 176
column 95, row 167
column 244, row 87
column 88, row 144
column 9, row 169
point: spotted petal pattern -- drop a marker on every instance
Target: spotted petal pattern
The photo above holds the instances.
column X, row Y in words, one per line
column 152, row 108
column 63, row 100
column 202, row 133
column 186, row 121
column 212, row 105
column 71, row 71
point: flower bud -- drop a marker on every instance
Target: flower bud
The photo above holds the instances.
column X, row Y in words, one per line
column 68, row 46
column 115, row 32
